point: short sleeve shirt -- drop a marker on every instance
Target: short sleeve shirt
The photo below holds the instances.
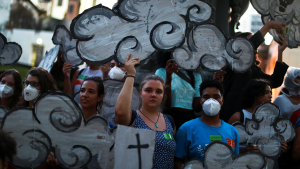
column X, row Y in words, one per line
column 182, row 92
column 193, row 136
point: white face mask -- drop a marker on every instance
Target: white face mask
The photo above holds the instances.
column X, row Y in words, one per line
column 290, row 84
column 211, row 107
column 116, row 73
column 30, row 93
column 6, row 91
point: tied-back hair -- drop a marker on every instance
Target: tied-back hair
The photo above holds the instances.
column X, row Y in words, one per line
column 46, row 81
column 253, row 89
column 100, row 86
column 8, row 146
column 18, row 86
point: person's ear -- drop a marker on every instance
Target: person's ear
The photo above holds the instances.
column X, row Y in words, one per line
column 100, row 98
column 222, row 100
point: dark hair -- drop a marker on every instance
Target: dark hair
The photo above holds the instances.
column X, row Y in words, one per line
column 8, row 146
column 18, row 86
column 46, row 82
column 211, row 83
column 100, row 86
column 254, row 88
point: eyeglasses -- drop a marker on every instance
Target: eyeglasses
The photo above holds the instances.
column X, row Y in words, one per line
column 32, row 83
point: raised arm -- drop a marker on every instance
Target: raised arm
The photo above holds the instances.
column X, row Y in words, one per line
column 67, row 83
column 281, row 47
column 122, row 109
column 277, row 25
column 171, row 67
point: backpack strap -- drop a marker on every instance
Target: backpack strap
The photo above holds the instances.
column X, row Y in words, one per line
column 171, row 120
column 133, row 116
column 241, row 117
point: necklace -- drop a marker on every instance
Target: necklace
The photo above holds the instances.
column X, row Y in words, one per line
column 150, row 119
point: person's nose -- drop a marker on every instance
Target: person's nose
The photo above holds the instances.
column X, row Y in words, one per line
column 84, row 94
column 153, row 94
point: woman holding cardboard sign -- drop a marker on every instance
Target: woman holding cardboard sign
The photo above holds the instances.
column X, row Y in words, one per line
column 148, row 117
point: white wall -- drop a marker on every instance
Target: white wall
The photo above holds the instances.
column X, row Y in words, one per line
column 26, row 38
column 85, row 4
column 58, row 12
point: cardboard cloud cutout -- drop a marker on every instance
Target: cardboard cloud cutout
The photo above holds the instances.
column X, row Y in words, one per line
column 287, row 11
column 10, row 52
column 220, row 155
column 141, row 27
column 112, row 90
column 49, row 58
column 56, row 124
column 207, row 46
column 266, row 130
column 62, row 37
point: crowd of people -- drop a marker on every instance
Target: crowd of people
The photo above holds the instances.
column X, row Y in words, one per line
column 169, row 100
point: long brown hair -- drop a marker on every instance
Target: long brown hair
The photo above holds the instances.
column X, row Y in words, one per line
column 46, row 81
column 18, row 86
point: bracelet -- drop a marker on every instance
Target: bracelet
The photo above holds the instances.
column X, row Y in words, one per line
column 130, row 76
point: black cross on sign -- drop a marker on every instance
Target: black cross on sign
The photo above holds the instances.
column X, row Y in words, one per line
column 139, row 146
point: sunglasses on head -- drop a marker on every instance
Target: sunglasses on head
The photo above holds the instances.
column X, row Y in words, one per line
column 32, row 83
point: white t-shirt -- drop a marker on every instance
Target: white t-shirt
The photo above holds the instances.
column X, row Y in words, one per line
column 87, row 72
column 287, row 108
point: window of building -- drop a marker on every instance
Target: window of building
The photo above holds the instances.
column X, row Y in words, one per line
column 256, row 23
column 59, row 2
column 37, row 54
column 71, row 8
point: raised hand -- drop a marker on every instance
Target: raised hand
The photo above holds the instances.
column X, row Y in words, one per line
column 105, row 69
column 283, row 146
column 277, row 25
column 67, row 69
column 283, row 45
column 219, row 75
column 51, row 160
column 130, row 65
column 171, row 67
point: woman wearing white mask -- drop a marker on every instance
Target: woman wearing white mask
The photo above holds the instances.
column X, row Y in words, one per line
column 289, row 101
column 38, row 82
column 10, row 88
column 193, row 136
